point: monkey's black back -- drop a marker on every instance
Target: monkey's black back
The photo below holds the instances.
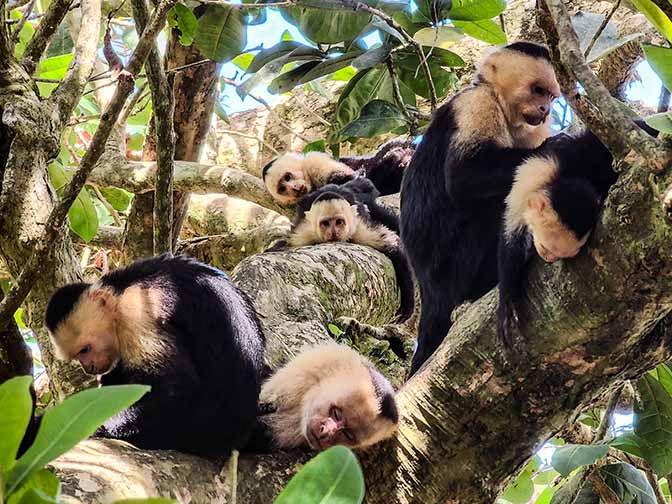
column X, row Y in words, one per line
column 204, row 393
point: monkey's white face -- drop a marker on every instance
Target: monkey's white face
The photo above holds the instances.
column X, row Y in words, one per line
column 286, row 180
column 333, row 220
column 89, row 334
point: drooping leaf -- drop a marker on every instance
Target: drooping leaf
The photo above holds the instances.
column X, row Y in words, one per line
column 476, row 10
column 586, row 25
column 522, row 489
column 281, row 49
column 333, row 477
column 443, row 80
column 655, row 16
column 326, row 26
column 629, row 484
column 82, row 216
column 316, row 146
column 485, row 29
column 221, row 33
column 628, row 442
column 67, row 423
column 119, row 198
column 662, row 122
column 329, row 66
column 653, row 423
column 408, row 58
column 289, row 80
column 181, row 17
column 16, row 406
column 371, row 57
column 377, row 117
column 43, row 487
column 441, row 36
column 663, row 374
column 660, row 59
column 571, row 456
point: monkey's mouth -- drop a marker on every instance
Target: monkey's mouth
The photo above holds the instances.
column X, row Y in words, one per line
column 534, row 120
column 313, row 440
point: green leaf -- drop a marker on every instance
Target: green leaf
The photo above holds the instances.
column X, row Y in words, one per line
column 25, row 35
column 243, row 61
column 151, row 500
column 628, row 442
column 221, row 33
column 371, row 57
column 653, row 423
column 43, row 486
column 655, row 16
column 629, row 484
column 181, row 17
column 119, row 198
column 52, row 68
column 660, row 59
column 586, row 25
column 546, row 477
column 662, row 122
column 82, row 215
column 522, row 489
column 431, row 11
column 326, row 26
column 65, row 424
column 16, row 406
column 333, row 477
column 329, row 66
column 441, row 36
column 18, row 318
column 286, row 35
column 344, row 74
column 377, row 117
column 571, row 456
column 566, row 493
column 284, row 48
column 663, row 374
column 476, row 10
column 335, row 330
column 485, row 29
column 289, row 80
column 61, row 43
column 545, row 496
column 316, row 146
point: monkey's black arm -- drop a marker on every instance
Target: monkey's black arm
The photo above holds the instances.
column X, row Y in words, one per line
column 512, row 258
column 383, row 215
column 487, row 172
column 405, row 279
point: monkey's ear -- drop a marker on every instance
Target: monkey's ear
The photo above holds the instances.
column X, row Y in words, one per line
column 537, row 202
column 103, row 298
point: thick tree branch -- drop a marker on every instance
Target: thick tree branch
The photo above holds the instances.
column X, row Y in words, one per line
column 45, row 31
column 54, row 224
column 653, row 150
column 66, row 96
column 138, row 177
column 164, row 108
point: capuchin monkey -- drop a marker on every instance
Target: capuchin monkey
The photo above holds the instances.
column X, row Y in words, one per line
column 179, row 326
column 453, row 192
column 553, row 205
column 292, row 176
column 349, row 213
column 327, row 395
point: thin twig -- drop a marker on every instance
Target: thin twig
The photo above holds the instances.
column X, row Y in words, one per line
column 131, row 103
column 599, row 31
column 188, row 66
column 54, row 225
column 651, row 149
column 22, row 22
column 108, row 206
column 260, row 140
column 355, row 5
column 412, row 123
column 603, row 428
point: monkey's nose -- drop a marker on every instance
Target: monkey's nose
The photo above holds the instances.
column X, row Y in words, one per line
column 543, row 109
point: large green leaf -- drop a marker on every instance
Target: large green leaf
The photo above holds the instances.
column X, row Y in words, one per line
column 221, row 33
column 16, row 406
column 65, row 424
column 284, row 48
column 371, row 57
column 431, row 11
column 443, row 80
column 408, row 58
column 663, row 374
column 330, row 66
column 326, row 26
column 655, row 16
column 629, row 484
column 119, row 198
column 662, row 122
column 653, row 423
column 52, row 68
column 42, row 487
column 62, row 42
column 25, row 34
column 376, row 118
column 565, row 494
column 82, row 215
column 333, row 477
column 628, row 442
column 660, row 59
column 571, row 456
column 522, row 489
column 181, row 17
column 485, row 29
column 438, row 36
column 289, row 80
column 475, row 10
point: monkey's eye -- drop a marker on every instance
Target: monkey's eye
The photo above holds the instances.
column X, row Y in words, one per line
column 340, row 222
column 538, row 90
column 324, row 223
column 336, row 413
column 84, row 350
column 287, row 177
column 349, row 435
column 282, row 190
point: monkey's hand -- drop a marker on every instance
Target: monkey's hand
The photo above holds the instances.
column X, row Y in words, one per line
column 507, row 319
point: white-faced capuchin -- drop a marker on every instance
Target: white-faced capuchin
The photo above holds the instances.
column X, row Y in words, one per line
column 349, row 213
column 327, row 395
column 184, row 329
column 453, row 192
column 553, row 205
column 291, row 176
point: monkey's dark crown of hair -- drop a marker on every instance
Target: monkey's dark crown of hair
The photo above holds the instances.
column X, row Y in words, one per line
column 385, row 393
column 326, row 196
column 62, row 302
column 531, row 49
column 267, row 166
